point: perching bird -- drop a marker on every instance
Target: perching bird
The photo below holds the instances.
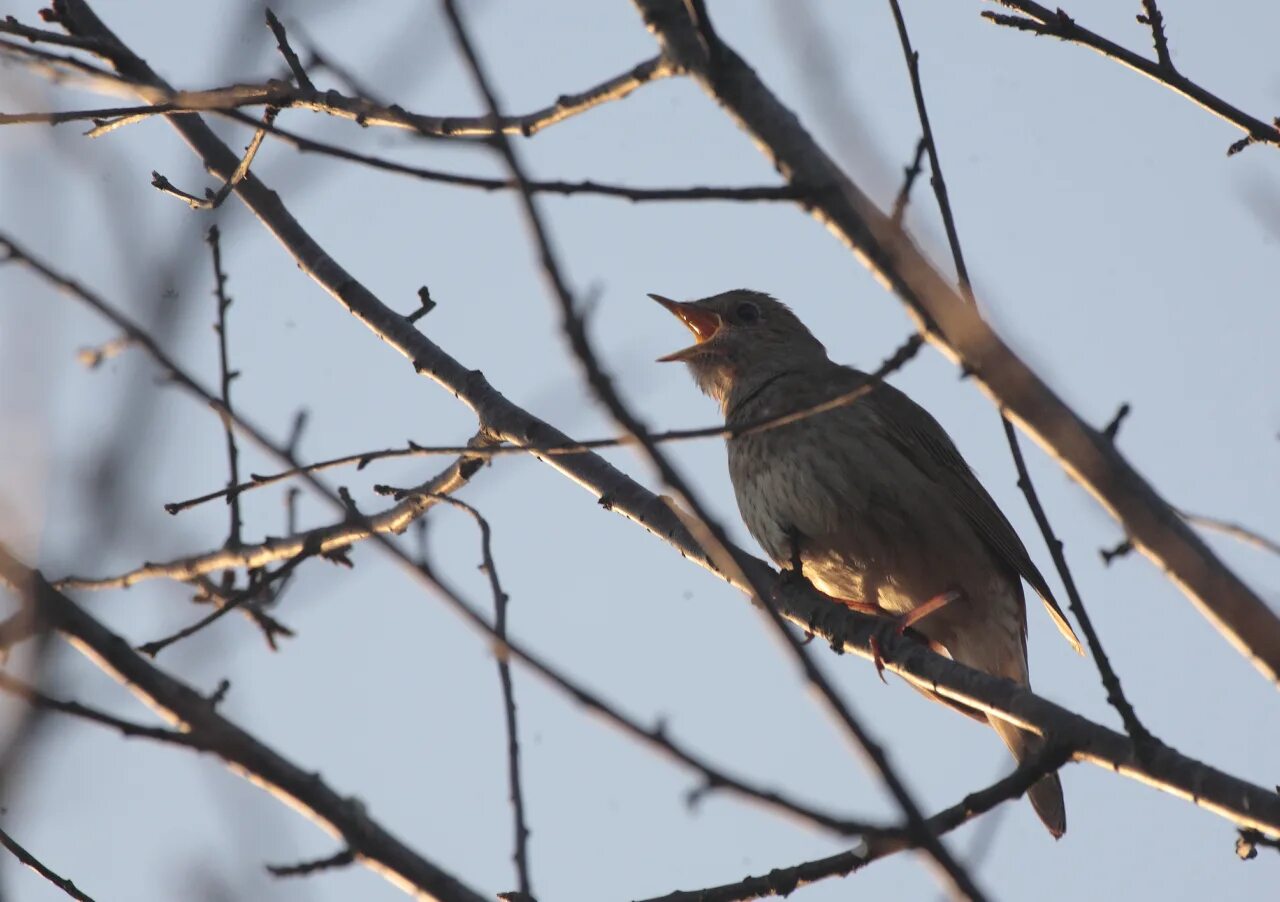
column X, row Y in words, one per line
column 871, row 500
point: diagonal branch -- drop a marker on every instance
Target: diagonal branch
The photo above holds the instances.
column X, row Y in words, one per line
column 41, row 868
column 1041, row 20
column 956, row 329
column 209, row 731
column 784, row 881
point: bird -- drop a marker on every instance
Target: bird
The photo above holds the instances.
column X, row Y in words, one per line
column 870, row 502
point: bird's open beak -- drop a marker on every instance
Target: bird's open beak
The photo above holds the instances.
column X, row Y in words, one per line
column 702, row 323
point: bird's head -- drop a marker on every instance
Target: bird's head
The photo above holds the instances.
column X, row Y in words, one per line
column 742, row 338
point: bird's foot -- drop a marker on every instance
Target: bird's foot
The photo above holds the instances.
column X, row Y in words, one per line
column 877, row 659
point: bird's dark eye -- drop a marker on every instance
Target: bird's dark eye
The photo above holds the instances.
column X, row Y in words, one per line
column 746, row 313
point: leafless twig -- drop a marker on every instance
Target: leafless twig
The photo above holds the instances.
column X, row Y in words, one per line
column 1041, row 20
column 40, row 868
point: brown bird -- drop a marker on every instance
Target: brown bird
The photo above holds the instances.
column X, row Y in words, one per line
column 871, row 501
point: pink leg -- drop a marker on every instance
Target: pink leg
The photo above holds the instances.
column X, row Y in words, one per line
column 933, row 604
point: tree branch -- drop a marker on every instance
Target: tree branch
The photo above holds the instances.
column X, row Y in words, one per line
column 784, row 881
column 40, row 868
column 1056, row 23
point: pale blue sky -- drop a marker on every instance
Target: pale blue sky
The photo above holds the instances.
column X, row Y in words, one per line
column 1111, row 241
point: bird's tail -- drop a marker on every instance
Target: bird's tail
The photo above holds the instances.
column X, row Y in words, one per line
column 1046, row 793
column 1003, row 654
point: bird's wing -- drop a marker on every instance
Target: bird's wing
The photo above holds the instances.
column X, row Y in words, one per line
column 920, row 437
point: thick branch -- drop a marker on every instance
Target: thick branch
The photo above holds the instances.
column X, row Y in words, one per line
column 959, row 331
column 188, row 709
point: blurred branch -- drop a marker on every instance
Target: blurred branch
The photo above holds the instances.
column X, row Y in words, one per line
column 34, row 697
column 210, row 732
column 1041, row 20
column 40, row 868
column 956, row 328
column 1235, row 530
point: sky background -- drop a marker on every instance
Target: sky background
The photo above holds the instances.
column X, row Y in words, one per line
column 1112, row 243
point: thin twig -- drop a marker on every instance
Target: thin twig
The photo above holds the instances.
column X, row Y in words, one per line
column 571, row 323
column 40, row 868
column 1153, row 18
column 1235, row 530
column 1115, row 694
column 306, row 868
column 291, row 58
column 500, row 603
column 1110, row 681
column 127, row 728
column 254, row 590
column 909, row 176
column 784, row 881
column 895, row 361
column 226, row 375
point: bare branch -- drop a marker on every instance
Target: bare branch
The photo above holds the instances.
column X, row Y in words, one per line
column 909, row 175
column 1153, row 18
column 226, row 375
column 1235, row 530
column 500, row 602
column 306, row 868
column 40, row 868
column 34, row 697
column 1041, row 20
column 321, row 540
column 903, row 354
column 784, row 881
column 291, row 58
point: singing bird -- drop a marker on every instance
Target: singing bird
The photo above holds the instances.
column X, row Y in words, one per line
column 871, row 501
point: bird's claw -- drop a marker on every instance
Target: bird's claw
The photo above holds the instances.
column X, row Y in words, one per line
column 878, row 659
